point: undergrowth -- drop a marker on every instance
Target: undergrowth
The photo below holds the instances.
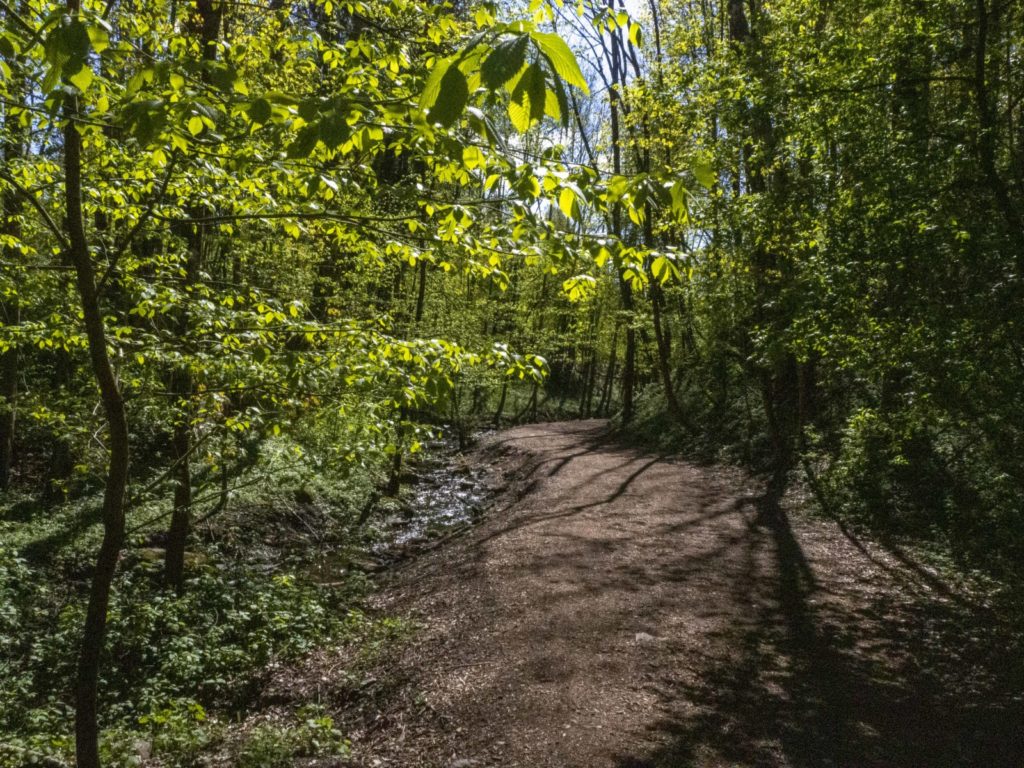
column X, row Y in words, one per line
column 916, row 482
column 180, row 671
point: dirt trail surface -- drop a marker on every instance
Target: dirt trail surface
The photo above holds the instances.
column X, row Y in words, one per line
column 621, row 610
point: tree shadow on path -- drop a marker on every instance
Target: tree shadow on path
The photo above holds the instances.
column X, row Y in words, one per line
column 862, row 678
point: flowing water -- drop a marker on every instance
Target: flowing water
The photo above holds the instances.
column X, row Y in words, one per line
column 441, row 491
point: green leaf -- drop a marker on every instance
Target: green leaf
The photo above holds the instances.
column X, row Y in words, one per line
column 567, row 202
column 536, row 90
column 451, row 99
column 259, row 111
column 528, row 99
column 561, row 58
column 504, row 62
column 634, row 34
column 82, row 79
column 305, row 141
column 473, row 158
column 51, row 78
column 579, row 287
column 433, row 87
column 562, row 103
column 662, row 269
column 551, row 106
column 704, row 173
column 680, row 210
column 334, row 130
column 195, row 125
column 98, row 38
column 9, row 48
column 520, row 116
column 74, row 40
column 224, row 76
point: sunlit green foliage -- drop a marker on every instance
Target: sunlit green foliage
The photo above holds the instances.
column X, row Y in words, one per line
column 322, row 230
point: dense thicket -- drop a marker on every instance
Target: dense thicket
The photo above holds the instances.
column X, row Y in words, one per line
column 894, row 202
column 849, row 300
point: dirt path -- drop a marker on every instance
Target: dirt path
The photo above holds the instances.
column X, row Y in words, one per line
column 621, row 610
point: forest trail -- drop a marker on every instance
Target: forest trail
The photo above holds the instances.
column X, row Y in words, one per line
column 622, row 610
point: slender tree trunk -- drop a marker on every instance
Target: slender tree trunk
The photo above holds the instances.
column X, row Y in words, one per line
column 629, row 357
column 985, row 20
column 181, row 387
column 10, row 313
column 10, row 310
column 94, row 630
column 395, row 476
column 8, row 400
column 324, row 284
column 181, row 517
column 588, row 385
column 609, row 379
column 530, row 407
column 421, row 291
column 625, row 289
column 501, row 404
column 664, row 356
column 210, row 15
column 586, row 401
column 778, row 377
column 62, row 460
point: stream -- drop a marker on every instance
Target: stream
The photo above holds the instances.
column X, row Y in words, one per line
column 441, row 491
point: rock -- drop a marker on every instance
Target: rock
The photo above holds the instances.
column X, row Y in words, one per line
column 151, row 554
column 366, row 564
column 642, row 638
column 143, row 749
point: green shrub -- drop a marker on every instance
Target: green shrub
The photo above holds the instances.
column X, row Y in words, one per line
column 276, row 745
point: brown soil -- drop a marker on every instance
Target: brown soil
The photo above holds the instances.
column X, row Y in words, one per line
column 618, row 609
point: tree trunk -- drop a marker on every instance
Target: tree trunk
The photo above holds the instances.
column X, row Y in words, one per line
column 625, row 289
column 181, row 515
column 181, row 437
column 609, row 379
column 8, row 400
column 987, row 131
column 590, row 380
column 778, row 376
column 62, row 460
column 94, row 630
column 665, row 356
column 530, row 407
column 629, row 358
column 421, row 293
column 501, row 404
column 395, row 475
column 10, row 310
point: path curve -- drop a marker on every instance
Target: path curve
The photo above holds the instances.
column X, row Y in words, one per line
column 622, row 610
